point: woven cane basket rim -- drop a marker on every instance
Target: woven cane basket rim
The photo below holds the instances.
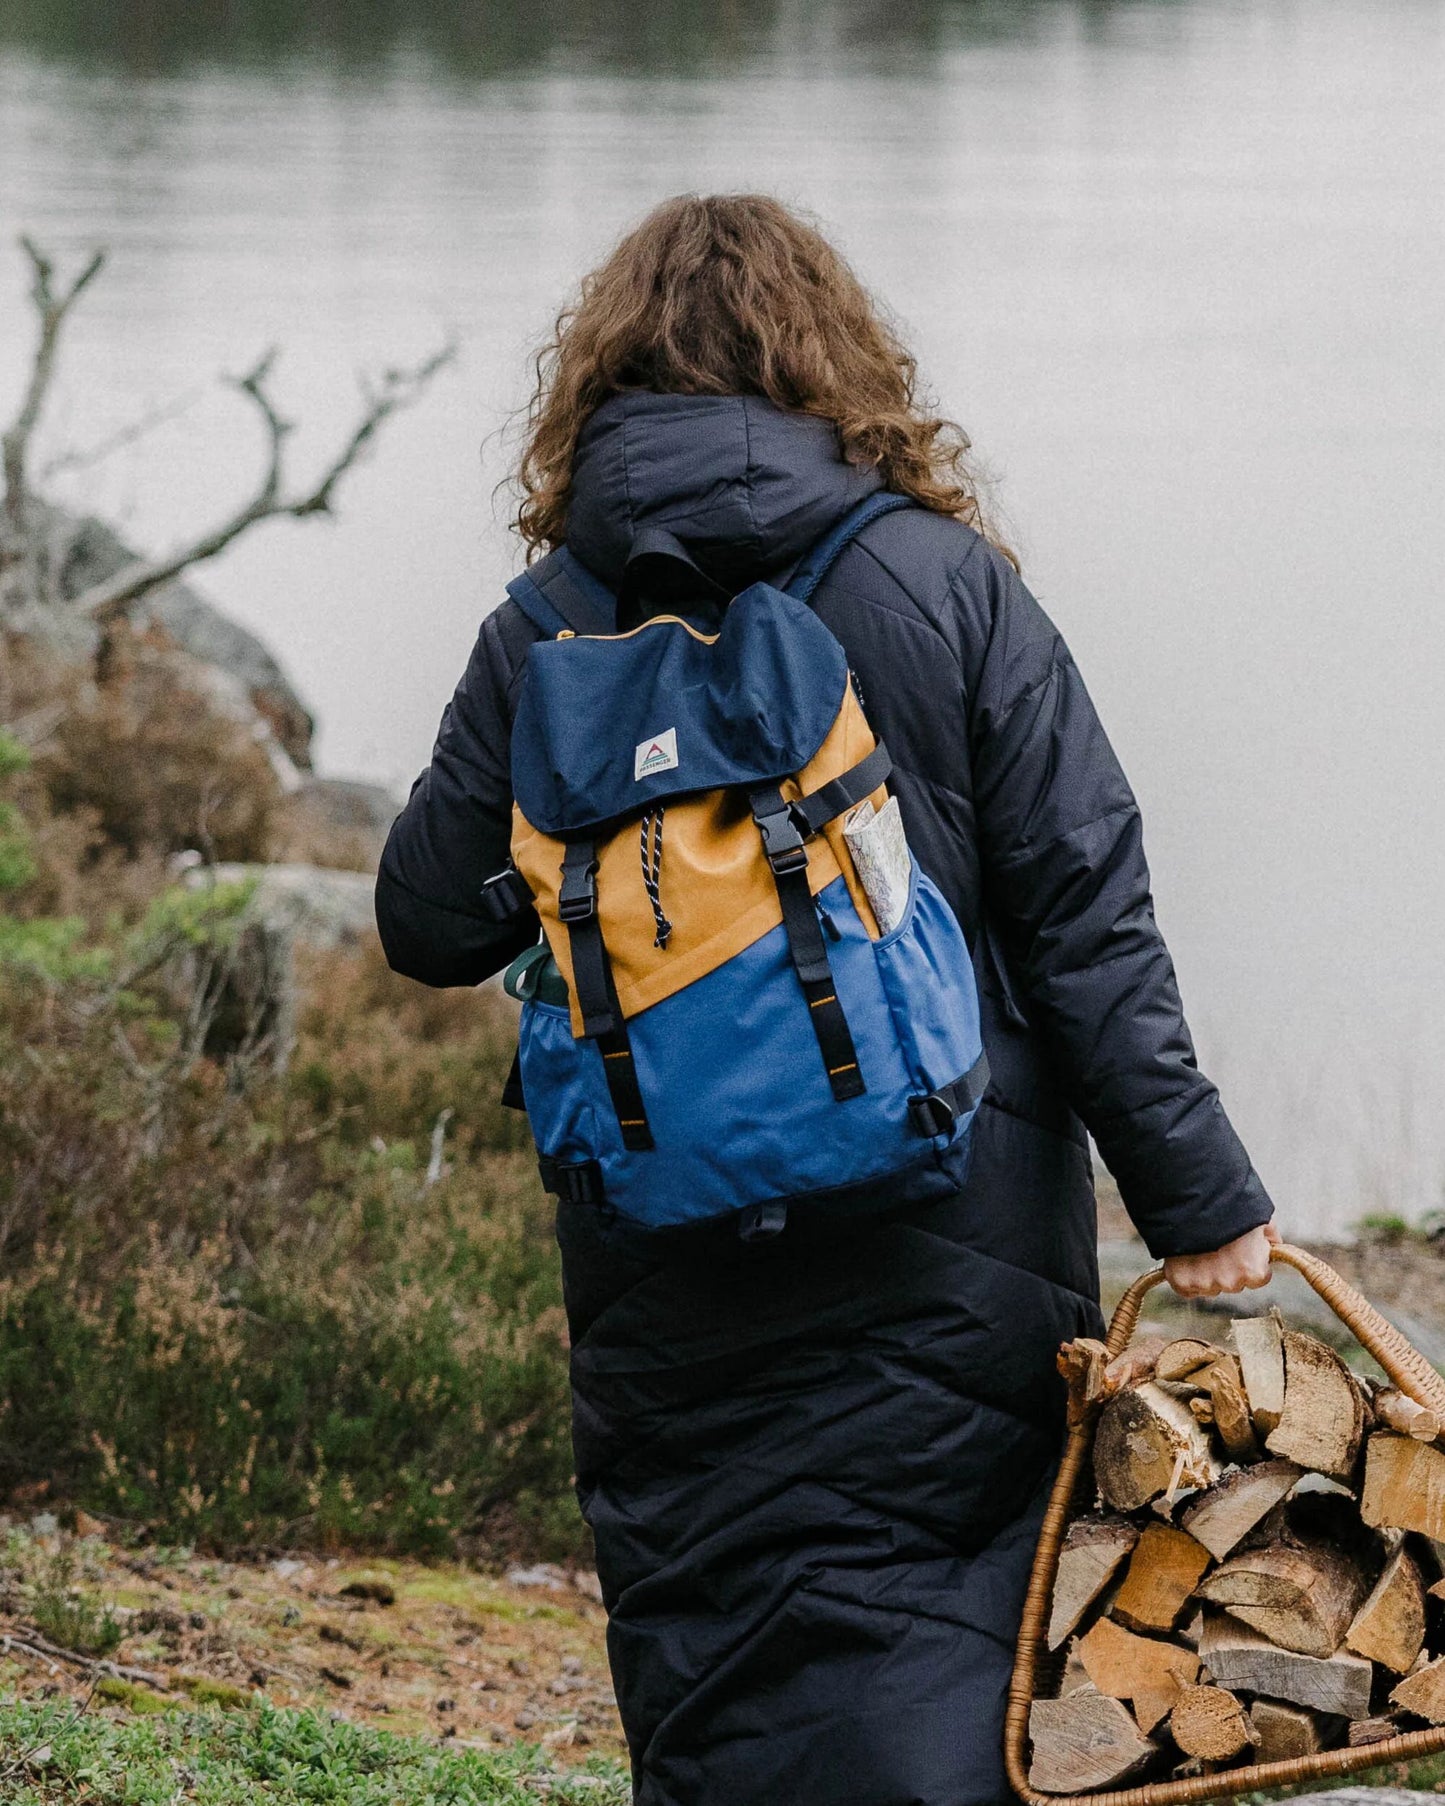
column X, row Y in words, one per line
column 1409, row 1370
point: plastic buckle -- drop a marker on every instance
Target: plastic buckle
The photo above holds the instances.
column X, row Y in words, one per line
column 505, row 894
column 577, row 899
column 579, row 1182
column 932, row 1115
column 782, row 843
column 761, row 1222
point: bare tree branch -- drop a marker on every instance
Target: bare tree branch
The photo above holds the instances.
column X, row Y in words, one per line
column 68, row 462
column 111, row 598
column 52, row 305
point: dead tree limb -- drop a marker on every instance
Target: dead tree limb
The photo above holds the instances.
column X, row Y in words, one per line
column 111, row 598
column 52, row 305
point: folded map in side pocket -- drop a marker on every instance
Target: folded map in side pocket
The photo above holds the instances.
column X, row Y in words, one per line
column 876, row 840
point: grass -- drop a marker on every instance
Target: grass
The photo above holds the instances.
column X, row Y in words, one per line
column 49, row 1754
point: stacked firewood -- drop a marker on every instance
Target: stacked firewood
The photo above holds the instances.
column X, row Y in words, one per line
column 1262, row 1574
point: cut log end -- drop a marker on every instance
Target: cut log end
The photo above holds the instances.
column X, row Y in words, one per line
column 1389, row 1627
column 1163, row 1572
column 1148, row 1443
column 1094, row 1549
column 1423, row 1692
column 1323, row 1420
column 1303, row 1599
column 1223, row 1516
column 1284, row 1733
column 1085, row 1742
column 1210, row 1722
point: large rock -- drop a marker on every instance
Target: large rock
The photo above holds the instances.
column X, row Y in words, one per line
column 92, row 552
column 290, row 906
column 336, row 822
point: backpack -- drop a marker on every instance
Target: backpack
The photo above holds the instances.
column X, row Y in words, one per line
column 714, row 1028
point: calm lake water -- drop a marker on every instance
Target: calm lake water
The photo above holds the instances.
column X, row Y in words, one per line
column 1179, row 268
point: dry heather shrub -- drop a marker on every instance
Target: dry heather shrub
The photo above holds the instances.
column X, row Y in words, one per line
column 387, row 1056
column 239, row 1313
column 157, row 765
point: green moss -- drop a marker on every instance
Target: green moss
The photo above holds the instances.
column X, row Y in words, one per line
column 129, row 1694
column 207, row 1692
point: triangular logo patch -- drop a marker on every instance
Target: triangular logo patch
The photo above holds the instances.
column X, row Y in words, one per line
column 657, row 753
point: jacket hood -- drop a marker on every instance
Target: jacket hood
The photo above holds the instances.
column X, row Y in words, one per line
column 743, row 486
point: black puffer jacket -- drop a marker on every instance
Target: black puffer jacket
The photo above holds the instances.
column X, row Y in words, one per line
column 814, row 1472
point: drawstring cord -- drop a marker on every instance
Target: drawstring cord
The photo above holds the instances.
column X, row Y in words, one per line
column 652, row 872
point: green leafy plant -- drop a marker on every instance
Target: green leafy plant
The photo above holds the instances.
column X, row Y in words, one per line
column 268, row 1757
column 65, row 1612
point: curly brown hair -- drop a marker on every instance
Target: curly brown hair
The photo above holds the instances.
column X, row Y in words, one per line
column 736, row 295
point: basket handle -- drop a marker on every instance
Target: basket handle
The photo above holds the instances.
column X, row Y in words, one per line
column 1409, row 1369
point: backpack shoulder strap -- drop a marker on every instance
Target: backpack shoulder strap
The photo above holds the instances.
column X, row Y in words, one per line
column 816, row 565
column 559, row 594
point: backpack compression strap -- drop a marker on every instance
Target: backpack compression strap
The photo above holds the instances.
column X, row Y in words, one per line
column 602, row 1018
column 788, row 857
column 785, row 826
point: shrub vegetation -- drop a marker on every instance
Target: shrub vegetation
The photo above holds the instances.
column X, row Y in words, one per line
column 235, row 1305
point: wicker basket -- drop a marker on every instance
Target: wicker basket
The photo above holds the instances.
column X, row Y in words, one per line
column 1408, row 1369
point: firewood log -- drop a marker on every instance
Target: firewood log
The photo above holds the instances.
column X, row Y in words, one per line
column 1246, row 1662
column 1146, row 1671
column 1134, row 1365
column 1259, row 1345
column 1397, row 1411
column 1209, row 1722
column 1283, row 1732
column 1093, row 1551
column 1163, row 1572
column 1185, row 1359
column 1302, row 1599
column 1148, row 1443
column 1075, row 1675
column 1372, row 1730
column 1220, row 1517
column 1323, row 1420
column 1084, row 1742
column 1423, row 1692
column 1082, row 1363
column 1404, row 1485
column 1231, row 1410
column 1389, row 1627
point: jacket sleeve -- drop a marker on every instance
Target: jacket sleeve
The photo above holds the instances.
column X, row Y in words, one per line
column 455, row 832
column 1064, row 874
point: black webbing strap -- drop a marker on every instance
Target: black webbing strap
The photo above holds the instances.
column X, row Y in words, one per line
column 505, row 895
column 573, row 1181
column 820, row 806
column 788, row 857
column 602, row 1017
column 936, row 1113
column 513, row 1097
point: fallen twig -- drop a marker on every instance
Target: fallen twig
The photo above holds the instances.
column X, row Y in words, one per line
column 45, row 1651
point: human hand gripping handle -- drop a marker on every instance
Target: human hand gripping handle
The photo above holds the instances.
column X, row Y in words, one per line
column 1239, row 1266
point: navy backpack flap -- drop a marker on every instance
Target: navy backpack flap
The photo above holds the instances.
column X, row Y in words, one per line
column 609, row 726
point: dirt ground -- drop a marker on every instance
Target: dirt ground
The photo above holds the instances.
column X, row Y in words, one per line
column 436, row 1650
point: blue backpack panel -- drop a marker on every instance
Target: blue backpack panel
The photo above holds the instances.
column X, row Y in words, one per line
column 715, row 1028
